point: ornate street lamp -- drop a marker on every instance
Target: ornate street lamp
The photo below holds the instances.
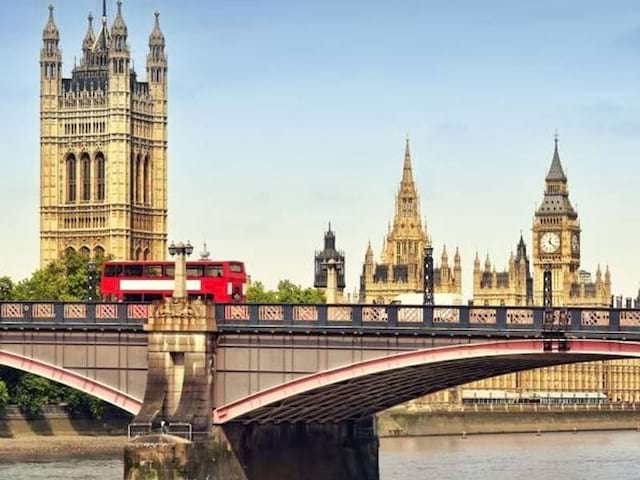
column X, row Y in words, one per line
column 428, row 276
column 92, row 281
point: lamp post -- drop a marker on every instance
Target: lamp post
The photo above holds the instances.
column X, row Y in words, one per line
column 92, row 281
column 547, row 287
column 181, row 252
column 428, row 276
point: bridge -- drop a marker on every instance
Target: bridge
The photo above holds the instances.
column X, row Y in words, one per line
column 314, row 373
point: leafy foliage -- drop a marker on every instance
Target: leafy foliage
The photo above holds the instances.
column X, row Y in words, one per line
column 4, row 395
column 6, row 289
column 33, row 393
column 64, row 280
column 287, row 292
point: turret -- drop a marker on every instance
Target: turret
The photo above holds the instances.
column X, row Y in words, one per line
column 119, row 57
column 88, row 42
column 457, row 269
column 157, row 58
column 607, row 283
column 50, row 62
column 368, row 262
column 329, row 239
column 487, row 264
column 477, row 274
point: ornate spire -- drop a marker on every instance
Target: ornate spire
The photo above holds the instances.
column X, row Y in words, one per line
column 487, row 264
column 556, row 172
column 156, row 38
column 445, row 257
column 90, row 37
column 51, row 30
column 407, row 170
column 369, row 254
column 119, row 27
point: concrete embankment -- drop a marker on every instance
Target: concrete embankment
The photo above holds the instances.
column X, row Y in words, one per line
column 507, row 419
column 56, row 421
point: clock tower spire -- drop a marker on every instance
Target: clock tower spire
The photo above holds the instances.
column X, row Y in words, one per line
column 556, row 235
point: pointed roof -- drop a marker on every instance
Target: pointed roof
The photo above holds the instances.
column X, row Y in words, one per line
column 556, row 172
column 156, row 38
column 556, row 196
column 119, row 26
column 90, row 37
column 407, row 170
column 51, row 30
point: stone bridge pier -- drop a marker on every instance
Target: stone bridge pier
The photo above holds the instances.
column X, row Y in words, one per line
column 181, row 442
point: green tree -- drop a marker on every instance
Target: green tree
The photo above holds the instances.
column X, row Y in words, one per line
column 6, row 289
column 287, row 292
column 63, row 280
column 33, row 393
column 4, row 396
column 80, row 403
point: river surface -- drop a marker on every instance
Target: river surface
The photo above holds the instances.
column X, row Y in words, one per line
column 602, row 455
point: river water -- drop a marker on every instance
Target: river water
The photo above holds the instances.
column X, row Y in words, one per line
column 601, row 455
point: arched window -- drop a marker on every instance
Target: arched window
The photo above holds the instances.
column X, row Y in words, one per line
column 100, row 174
column 69, row 251
column 138, row 253
column 86, row 177
column 98, row 252
column 147, row 181
column 132, row 180
column 71, row 178
column 138, row 179
column 85, row 252
column 147, row 254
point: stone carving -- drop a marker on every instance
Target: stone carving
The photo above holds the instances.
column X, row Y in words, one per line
column 410, row 315
column 519, row 317
column 374, row 314
column 482, row 316
column 446, row 315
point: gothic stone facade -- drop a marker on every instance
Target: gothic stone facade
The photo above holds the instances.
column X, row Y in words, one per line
column 103, row 153
column 513, row 286
column 556, row 245
column 400, row 269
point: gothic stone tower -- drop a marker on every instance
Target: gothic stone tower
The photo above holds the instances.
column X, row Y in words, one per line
column 556, row 235
column 103, row 147
column 401, row 262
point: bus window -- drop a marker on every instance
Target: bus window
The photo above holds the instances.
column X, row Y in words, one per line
column 151, row 297
column 169, row 271
column 133, row 297
column 133, row 270
column 195, row 271
column 153, row 271
column 215, row 270
column 113, row 270
column 235, row 267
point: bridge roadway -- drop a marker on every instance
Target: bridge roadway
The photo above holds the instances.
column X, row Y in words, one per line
column 311, row 363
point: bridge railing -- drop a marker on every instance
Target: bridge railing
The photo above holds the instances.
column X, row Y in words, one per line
column 397, row 317
column 74, row 313
column 423, row 317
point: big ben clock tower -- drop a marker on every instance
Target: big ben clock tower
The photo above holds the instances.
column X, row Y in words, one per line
column 556, row 236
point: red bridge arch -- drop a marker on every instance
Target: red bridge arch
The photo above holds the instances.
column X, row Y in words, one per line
column 71, row 379
column 356, row 391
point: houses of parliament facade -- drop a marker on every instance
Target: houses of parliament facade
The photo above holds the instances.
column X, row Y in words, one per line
column 556, row 245
column 103, row 146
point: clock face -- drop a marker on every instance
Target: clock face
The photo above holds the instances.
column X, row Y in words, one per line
column 575, row 244
column 550, row 242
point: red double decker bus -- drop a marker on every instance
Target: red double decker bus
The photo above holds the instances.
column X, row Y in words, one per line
column 134, row 281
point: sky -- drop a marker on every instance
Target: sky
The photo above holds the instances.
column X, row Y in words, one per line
column 285, row 115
